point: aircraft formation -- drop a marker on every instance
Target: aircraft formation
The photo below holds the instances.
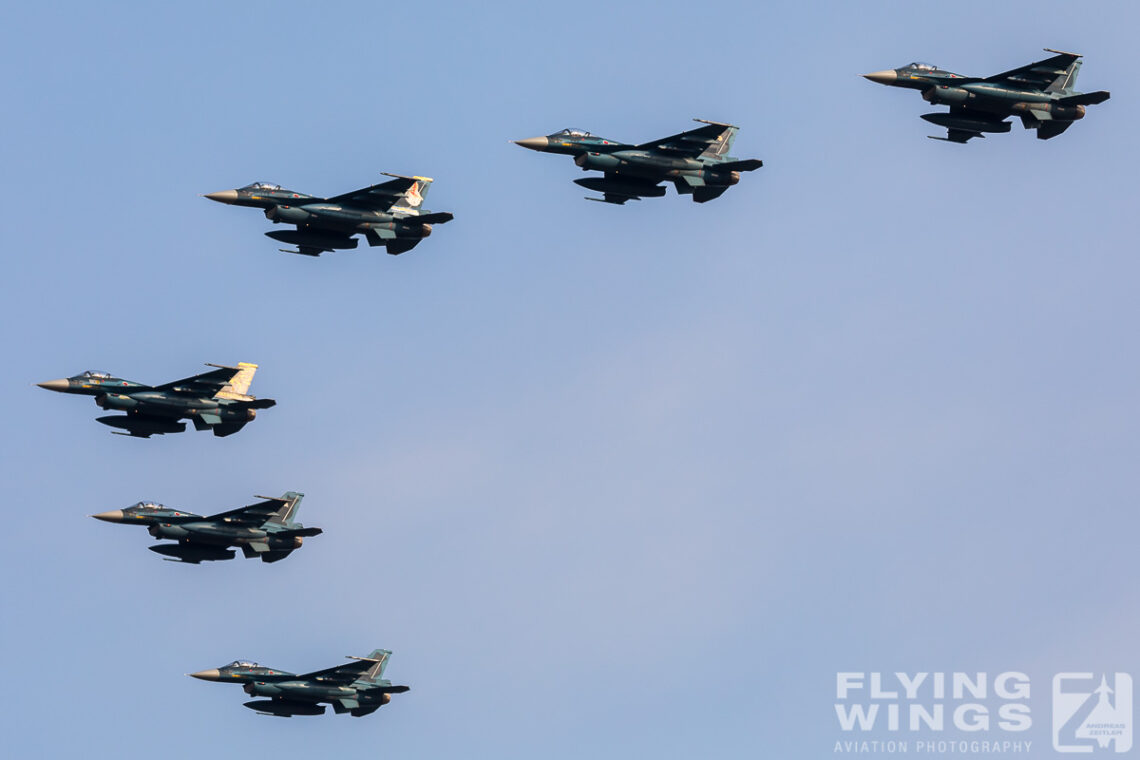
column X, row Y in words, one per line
column 391, row 215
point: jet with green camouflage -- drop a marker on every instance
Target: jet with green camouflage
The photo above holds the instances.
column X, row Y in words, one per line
column 265, row 529
column 357, row 688
column 389, row 214
column 696, row 162
column 214, row 400
column 1043, row 94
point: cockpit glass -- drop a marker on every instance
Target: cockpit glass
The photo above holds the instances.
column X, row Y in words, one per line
column 922, row 66
column 148, row 505
column 574, row 132
column 261, row 186
column 96, row 374
column 242, row 664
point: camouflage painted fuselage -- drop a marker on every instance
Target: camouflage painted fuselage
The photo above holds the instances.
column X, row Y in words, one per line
column 389, row 214
column 696, row 162
column 356, row 688
column 1042, row 94
column 155, row 410
column 264, row 530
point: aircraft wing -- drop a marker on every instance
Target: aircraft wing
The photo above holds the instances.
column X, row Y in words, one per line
column 387, row 688
column 379, row 197
column 252, row 515
column 207, row 383
column 689, row 144
column 341, row 675
column 1038, row 75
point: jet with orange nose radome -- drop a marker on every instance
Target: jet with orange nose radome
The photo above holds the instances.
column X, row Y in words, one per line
column 696, row 162
column 265, row 529
column 1043, row 94
column 389, row 214
column 357, row 688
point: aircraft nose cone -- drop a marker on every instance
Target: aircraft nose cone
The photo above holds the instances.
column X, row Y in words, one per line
column 114, row 515
column 534, row 143
column 886, row 76
column 223, row 196
column 213, row 674
column 55, row 385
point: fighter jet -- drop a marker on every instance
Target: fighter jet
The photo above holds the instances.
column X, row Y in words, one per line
column 696, row 162
column 356, row 688
column 389, row 214
column 1042, row 94
column 215, row 400
column 265, row 529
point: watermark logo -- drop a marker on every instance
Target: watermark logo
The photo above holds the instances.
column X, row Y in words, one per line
column 1092, row 712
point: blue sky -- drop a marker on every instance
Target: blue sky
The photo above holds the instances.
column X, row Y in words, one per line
column 610, row 481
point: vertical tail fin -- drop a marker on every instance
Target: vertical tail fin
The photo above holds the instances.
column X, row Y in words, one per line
column 379, row 659
column 414, row 198
column 723, row 143
column 1067, row 81
column 238, row 386
column 288, row 511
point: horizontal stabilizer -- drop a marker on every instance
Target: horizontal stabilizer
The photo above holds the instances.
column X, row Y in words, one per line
column 1085, row 98
column 746, row 165
column 402, row 245
column 437, row 217
column 276, row 555
column 227, row 428
column 705, row 194
column 1050, row 129
column 305, row 532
